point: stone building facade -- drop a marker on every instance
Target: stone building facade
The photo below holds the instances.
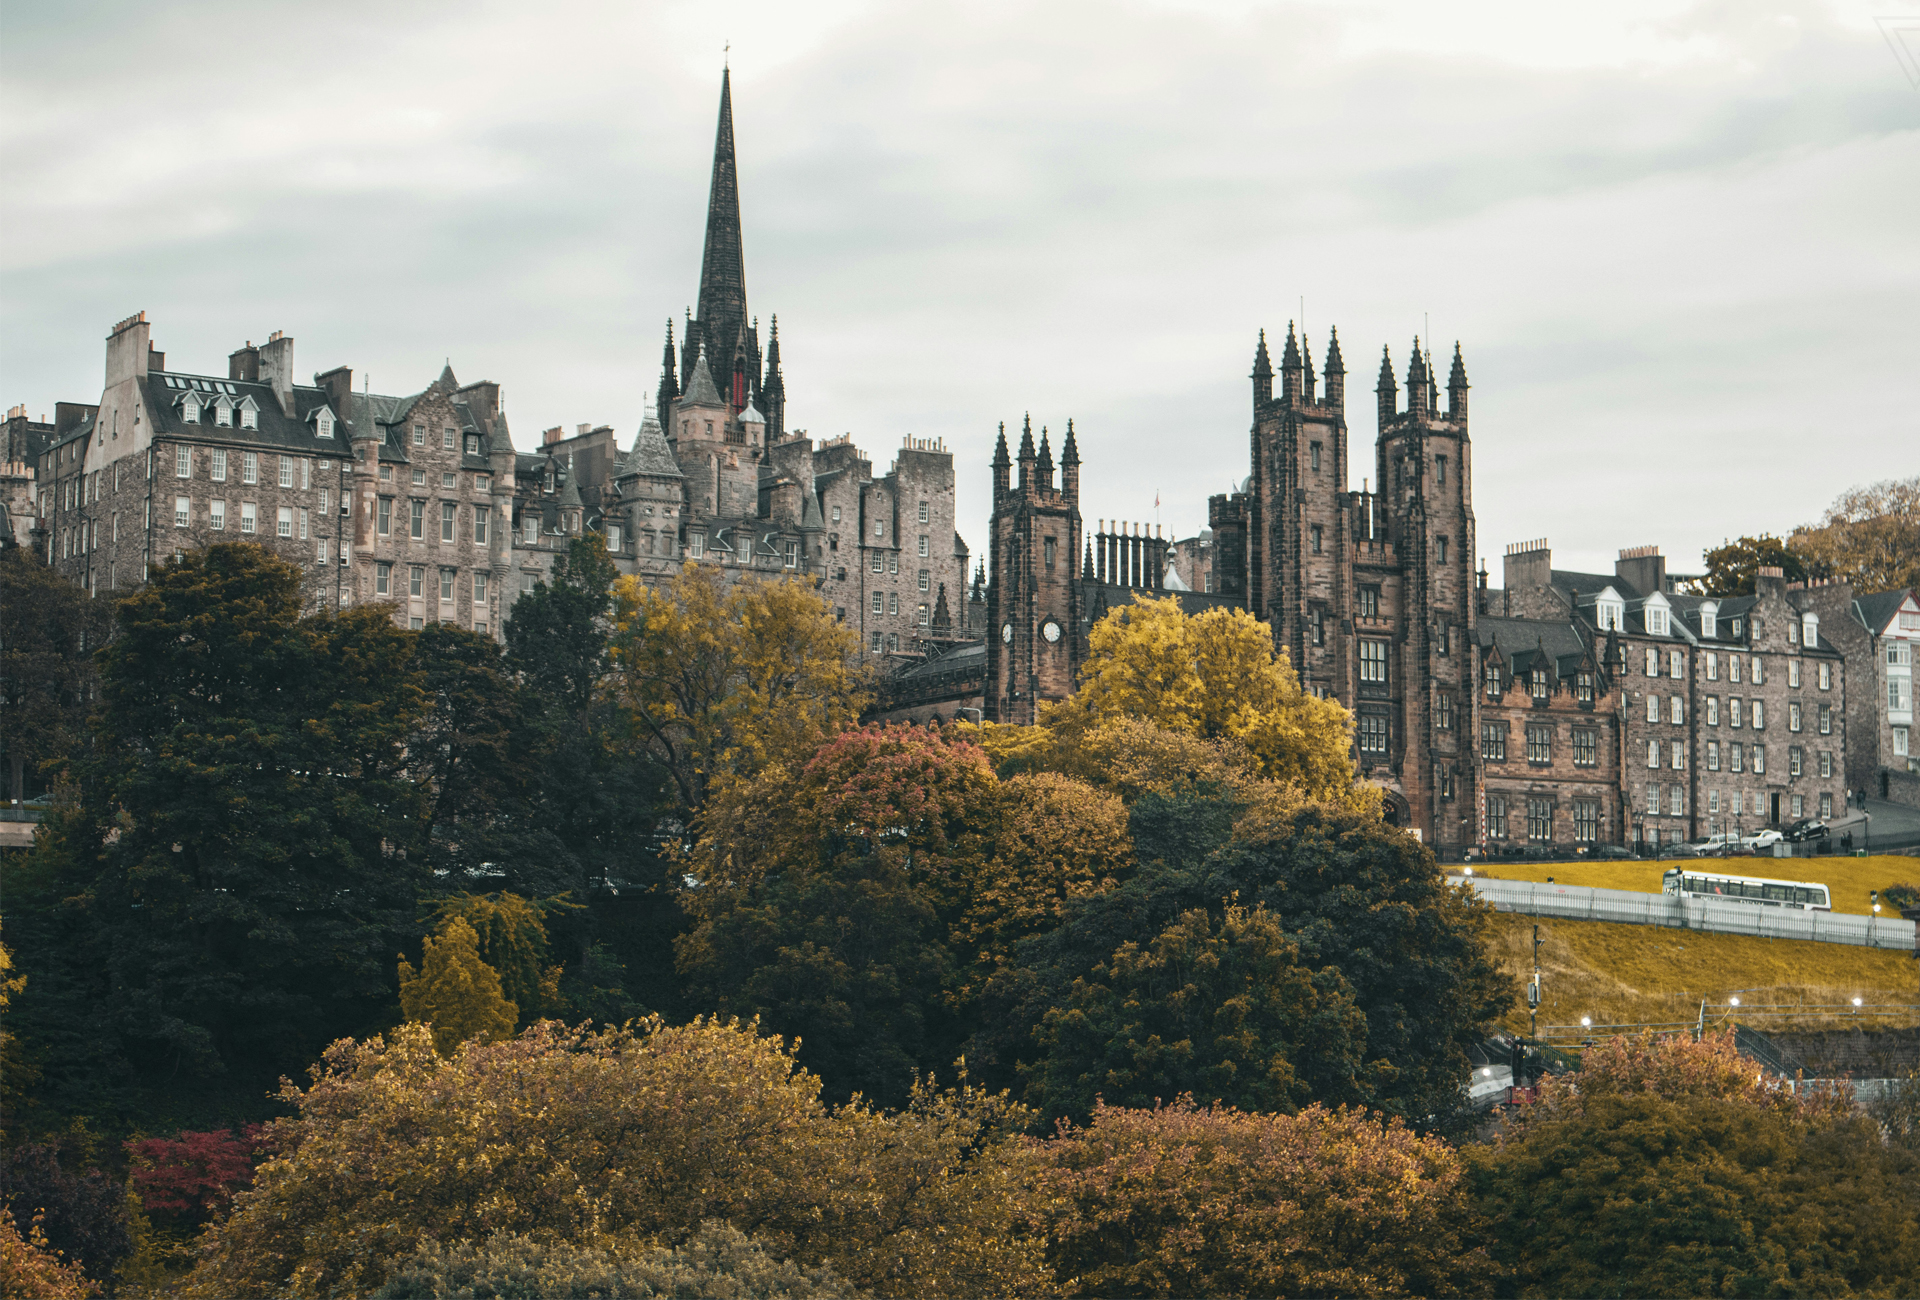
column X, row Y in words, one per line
column 1879, row 634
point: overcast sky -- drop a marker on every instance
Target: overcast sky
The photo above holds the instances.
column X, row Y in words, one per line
column 1679, row 243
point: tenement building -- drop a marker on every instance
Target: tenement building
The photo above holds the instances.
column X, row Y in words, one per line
column 1878, row 633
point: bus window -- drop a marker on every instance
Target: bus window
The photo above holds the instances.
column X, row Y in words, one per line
column 1776, row 893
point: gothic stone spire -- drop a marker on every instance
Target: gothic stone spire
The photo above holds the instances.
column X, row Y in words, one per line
column 723, row 269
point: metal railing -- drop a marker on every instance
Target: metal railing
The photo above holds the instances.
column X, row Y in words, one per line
column 1715, row 916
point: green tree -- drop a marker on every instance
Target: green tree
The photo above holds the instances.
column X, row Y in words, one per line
column 454, row 992
column 512, row 933
column 1181, row 1200
column 242, row 853
column 1870, row 536
column 621, row 1137
column 1733, row 566
column 1222, row 1010
column 49, row 630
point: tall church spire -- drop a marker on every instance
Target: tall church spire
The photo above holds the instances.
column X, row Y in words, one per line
column 723, row 268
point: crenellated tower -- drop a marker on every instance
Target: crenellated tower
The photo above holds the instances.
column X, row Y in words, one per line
column 1034, row 557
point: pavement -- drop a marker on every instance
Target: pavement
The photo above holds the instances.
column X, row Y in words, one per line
column 1893, row 823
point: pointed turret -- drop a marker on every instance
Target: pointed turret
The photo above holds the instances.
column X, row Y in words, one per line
column 446, row 381
column 1336, row 373
column 1086, row 567
column 700, row 389
column 1262, row 375
column 1026, row 453
column 1457, row 386
column 942, row 618
column 1070, row 465
column 1045, row 465
column 1306, row 365
column 1002, row 464
column 1418, row 382
column 669, row 382
column 1290, row 368
column 1387, row 391
column 650, row 455
column 773, row 388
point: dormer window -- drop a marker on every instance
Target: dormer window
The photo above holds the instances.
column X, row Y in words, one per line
column 1539, row 683
column 223, row 412
column 473, row 444
column 1709, row 618
column 249, row 413
column 190, row 409
column 1656, row 613
column 1736, row 627
column 1609, row 610
column 323, row 423
column 1810, row 631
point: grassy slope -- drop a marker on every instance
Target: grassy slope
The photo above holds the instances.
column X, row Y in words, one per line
column 1849, row 879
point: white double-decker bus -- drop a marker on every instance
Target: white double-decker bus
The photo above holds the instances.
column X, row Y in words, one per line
column 1802, row 894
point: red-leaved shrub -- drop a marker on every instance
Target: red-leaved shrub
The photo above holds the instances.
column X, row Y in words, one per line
column 194, row 1173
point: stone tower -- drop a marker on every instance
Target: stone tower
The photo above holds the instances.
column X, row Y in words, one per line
column 1033, row 613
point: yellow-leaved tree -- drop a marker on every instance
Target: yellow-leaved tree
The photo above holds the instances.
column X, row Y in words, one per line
column 722, row 676
column 455, row 991
column 1215, row 676
column 512, row 934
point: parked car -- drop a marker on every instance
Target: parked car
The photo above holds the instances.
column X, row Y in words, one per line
column 1603, row 851
column 1807, row 828
column 1764, row 839
column 1714, row 846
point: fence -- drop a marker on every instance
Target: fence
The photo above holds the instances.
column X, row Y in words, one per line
column 1578, row 903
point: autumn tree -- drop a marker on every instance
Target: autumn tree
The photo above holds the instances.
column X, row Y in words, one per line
column 455, row 992
column 1213, row 675
column 49, row 631
column 1182, row 1200
column 625, row 1136
column 1732, row 567
column 1221, row 1009
column 512, row 934
column 1670, row 1167
column 721, row 677
column 1870, row 536
column 31, row 1269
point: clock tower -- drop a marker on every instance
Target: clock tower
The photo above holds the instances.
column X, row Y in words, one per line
column 1033, row 613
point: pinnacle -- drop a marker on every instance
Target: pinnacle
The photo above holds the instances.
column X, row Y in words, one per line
column 1290, row 359
column 1070, row 450
column 1334, row 365
column 1262, row 364
column 1026, row 438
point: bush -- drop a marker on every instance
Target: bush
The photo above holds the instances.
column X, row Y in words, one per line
column 720, row 1263
column 84, row 1216
column 1901, row 895
column 193, row 1174
column 30, row 1269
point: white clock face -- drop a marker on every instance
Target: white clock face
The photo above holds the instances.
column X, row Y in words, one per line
column 1051, row 631
column 1006, row 633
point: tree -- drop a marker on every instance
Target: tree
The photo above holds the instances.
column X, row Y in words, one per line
column 1182, row 1200
column 241, row 858
column 31, row 1269
column 1673, row 1167
column 720, row 1260
column 1870, row 537
column 512, row 933
column 83, row 1215
column 1732, row 567
column 723, row 677
column 1354, row 895
column 1214, row 675
column 192, row 1175
column 49, row 629
column 1221, row 1010
column 631, row 1135
column 454, row 991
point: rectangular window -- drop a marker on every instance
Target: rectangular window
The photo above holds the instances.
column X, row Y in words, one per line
column 1315, row 534
column 1440, row 463
column 416, row 580
column 217, row 515
column 479, row 586
column 181, row 508
column 326, row 501
column 1713, row 666
column 183, row 462
column 1713, row 756
column 1369, row 602
column 383, row 579
column 1493, row 681
column 1900, row 741
column 483, row 520
column 247, row 517
column 1678, row 752
column 1826, row 803
column 448, row 481
column 417, row 519
column 1759, row 715
column 419, row 435
column 306, row 473
column 1493, row 742
column 1733, row 668
column 219, row 465
column 1373, row 661
column 1539, row 743
column 1653, row 707
column 879, row 602
column 1586, row 821
column 1826, row 762
column 793, row 554
column 1793, row 760
column 879, row 562
column 1047, row 545
column 1676, row 801
column 926, row 580
column 893, row 602
column 446, row 521
column 1676, row 710
column 1713, row 710
column 1372, row 731
column 416, row 623
column 446, row 439
column 1826, row 677
column 1653, row 753
column 1793, row 671
column 1583, row 688
column 1759, row 671
column 419, row 478
column 1759, row 760
column 285, row 521
column 1540, row 820
column 1443, row 549
column 447, row 577
column 875, row 646
column 1443, row 711
column 1496, row 817
column 286, row 471
column 385, row 516
column 1735, row 713
column 1586, row 747
column 1653, row 663
column 1317, row 626
column 1736, row 757
column 1793, row 715
column 250, row 467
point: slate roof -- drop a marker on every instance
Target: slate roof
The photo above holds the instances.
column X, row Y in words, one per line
column 1877, row 610
column 1526, row 642
column 277, row 431
column 970, row 656
column 700, row 390
column 650, row 454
